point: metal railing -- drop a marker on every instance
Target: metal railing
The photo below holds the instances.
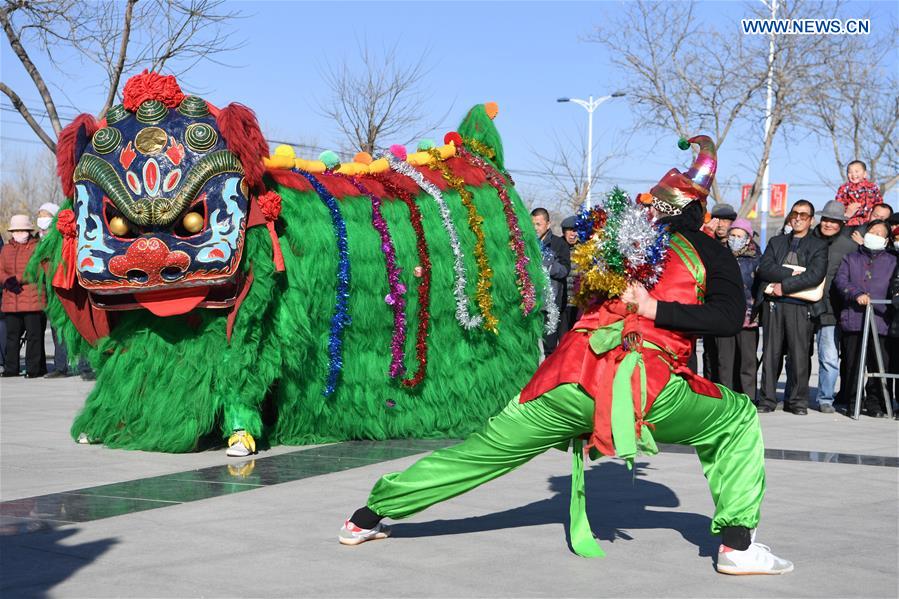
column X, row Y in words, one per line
column 869, row 327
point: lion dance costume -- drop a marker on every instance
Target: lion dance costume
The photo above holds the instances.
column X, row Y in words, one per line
column 619, row 379
column 219, row 290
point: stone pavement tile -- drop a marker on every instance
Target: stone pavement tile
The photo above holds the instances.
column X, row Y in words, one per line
column 506, row 539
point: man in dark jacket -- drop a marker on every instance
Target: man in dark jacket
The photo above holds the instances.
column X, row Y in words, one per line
column 557, row 261
column 832, row 230
column 787, row 321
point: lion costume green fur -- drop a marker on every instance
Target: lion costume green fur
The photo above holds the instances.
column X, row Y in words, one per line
column 215, row 288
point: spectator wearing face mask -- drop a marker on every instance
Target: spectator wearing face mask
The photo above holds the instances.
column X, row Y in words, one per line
column 738, row 355
column 22, row 304
column 45, row 215
column 864, row 275
column 893, row 332
column 2, row 320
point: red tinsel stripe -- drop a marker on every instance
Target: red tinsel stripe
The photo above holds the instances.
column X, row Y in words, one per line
column 496, row 179
column 424, row 285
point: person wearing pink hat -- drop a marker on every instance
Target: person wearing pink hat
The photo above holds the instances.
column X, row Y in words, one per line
column 22, row 304
column 738, row 355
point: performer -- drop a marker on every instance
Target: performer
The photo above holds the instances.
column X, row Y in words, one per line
column 620, row 379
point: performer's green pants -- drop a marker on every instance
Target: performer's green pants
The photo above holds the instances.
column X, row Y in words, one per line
column 725, row 432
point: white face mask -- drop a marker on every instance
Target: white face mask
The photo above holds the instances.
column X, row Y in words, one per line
column 737, row 243
column 896, row 245
column 43, row 222
column 21, row 236
column 875, row 242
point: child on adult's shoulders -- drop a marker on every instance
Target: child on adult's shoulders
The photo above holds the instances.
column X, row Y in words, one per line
column 858, row 195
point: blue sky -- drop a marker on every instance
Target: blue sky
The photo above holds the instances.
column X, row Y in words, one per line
column 522, row 55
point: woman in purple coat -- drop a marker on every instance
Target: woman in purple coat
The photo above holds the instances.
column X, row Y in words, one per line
column 863, row 276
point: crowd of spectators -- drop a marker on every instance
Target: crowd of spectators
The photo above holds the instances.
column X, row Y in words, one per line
column 22, row 307
column 807, row 293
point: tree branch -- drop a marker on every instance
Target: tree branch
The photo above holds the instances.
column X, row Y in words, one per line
column 120, row 63
column 32, row 71
column 26, row 114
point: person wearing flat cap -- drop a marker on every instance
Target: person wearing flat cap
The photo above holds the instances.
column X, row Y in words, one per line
column 724, row 215
column 22, row 305
column 570, row 311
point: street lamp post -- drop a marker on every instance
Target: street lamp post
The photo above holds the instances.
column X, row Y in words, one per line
column 590, row 105
column 763, row 203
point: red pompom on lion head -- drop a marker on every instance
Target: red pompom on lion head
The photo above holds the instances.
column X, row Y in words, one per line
column 453, row 138
column 151, row 86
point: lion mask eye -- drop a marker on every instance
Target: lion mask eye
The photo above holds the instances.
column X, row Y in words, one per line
column 193, row 222
column 118, row 226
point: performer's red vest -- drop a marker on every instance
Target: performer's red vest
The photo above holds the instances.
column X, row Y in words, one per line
column 574, row 361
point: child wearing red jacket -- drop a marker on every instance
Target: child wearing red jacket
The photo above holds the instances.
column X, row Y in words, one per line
column 858, row 195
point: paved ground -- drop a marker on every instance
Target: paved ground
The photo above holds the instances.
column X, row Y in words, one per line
column 834, row 516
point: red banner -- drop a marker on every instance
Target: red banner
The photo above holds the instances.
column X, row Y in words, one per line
column 778, row 200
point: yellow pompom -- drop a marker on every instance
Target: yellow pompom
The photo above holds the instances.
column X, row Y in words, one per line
column 285, row 151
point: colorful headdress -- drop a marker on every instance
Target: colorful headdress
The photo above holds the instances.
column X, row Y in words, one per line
column 677, row 189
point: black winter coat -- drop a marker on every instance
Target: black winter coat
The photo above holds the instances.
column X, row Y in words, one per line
column 557, row 260
column 812, row 254
column 838, row 246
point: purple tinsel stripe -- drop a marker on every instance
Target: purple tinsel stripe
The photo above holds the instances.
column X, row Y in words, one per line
column 396, row 297
column 341, row 318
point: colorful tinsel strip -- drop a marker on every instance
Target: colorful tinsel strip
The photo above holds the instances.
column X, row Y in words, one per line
column 475, row 220
column 396, row 298
column 516, row 241
column 463, row 314
column 479, row 147
column 424, row 284
column 619, row 245
column 549, row 305
column 341, row 318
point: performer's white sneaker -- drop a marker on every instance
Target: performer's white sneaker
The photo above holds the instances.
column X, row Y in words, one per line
column 351, row 534
column 240, row 444
column 757, row 559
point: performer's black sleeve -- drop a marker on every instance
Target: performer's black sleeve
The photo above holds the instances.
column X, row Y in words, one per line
column 722, row 313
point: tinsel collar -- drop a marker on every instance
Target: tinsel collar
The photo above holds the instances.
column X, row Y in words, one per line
column 620, row 244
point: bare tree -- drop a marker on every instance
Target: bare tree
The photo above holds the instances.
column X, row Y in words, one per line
column 680, row 77
column 30, row 181
column 564, row 169
column 382, row 97
column 684, row 76
column 119, row 37
column 859, row 114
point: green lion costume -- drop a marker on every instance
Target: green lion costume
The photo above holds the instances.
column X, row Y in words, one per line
column 218, row 290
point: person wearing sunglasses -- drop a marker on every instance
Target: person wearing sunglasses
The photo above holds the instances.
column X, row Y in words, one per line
column 792, row 263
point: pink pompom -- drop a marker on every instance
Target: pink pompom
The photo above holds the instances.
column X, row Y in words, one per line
column 398, row 151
